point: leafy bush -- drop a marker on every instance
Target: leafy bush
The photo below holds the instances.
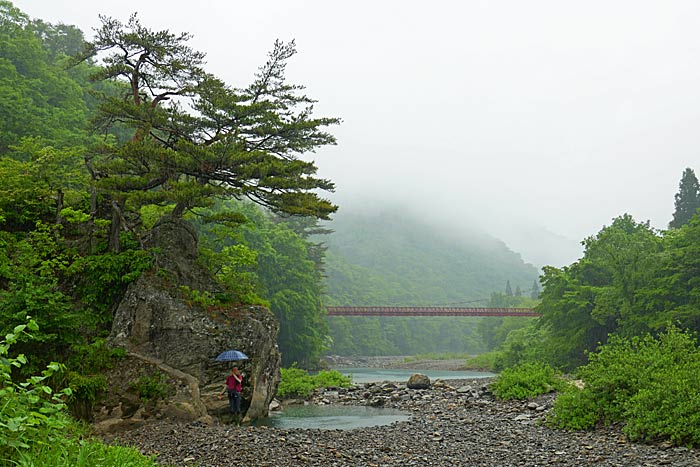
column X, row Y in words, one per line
column 667, row 409
column 648, row 383
column 295, row 382
column 101, row 279
column 298, row 383
column 525, row 381
column 579, row 407
column 151, row 387
column 198, row 297
column 86, row 389
column 94, row 357
column 330, row 379
column 35, row 428
column 84, row 377
column 32, row 415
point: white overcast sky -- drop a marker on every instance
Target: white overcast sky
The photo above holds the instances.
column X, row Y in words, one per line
column 541, row 113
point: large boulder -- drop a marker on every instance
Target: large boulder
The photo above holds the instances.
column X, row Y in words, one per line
column 160, row 318
column 418, row 381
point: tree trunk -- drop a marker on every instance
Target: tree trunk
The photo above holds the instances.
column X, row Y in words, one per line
column 115, row 229
column 179, row 210
column 91, row 223
column 59, row 206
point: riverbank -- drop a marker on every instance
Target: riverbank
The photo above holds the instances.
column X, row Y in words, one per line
column 454, row 423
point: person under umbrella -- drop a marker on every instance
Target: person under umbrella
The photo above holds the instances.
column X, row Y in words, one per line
column 234, row 386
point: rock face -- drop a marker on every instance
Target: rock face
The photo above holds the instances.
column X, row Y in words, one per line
column 159, row 319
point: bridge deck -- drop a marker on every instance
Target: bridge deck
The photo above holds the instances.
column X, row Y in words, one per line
column 426, row 311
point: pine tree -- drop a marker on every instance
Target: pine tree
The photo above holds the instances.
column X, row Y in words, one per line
column 687, row 199
column 194, row 138
column 509, row 291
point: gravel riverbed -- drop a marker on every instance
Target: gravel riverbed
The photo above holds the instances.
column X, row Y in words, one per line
column 454, row 423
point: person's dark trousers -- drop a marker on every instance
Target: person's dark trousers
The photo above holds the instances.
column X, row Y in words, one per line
column 234, row 401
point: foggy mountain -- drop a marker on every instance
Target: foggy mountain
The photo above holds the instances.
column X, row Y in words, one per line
column 392, row 258
column 542, row 247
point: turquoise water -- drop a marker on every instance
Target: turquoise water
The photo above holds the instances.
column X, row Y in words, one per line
column 334, row 417
column 375, row 375
column 344, row 417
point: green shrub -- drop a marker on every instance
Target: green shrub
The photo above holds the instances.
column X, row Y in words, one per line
column 668, row 410
column 86, row 389
column 579, row 407
column 101, row 279
column 35, row 428
column 649, row 384
column 295, row 382
column 31, row 414
column 151, row 387
column 198, row 297
column 298, row 383
column 525, row 381
column 332, row 378
column 94, row 357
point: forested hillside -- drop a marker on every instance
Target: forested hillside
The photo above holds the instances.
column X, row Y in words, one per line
column 394, row 258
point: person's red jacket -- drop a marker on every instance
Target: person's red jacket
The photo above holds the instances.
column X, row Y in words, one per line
column 235, row 382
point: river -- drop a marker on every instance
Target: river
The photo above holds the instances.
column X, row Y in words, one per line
column 351, row 417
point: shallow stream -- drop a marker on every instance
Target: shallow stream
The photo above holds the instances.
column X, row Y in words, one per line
column 335, row 417
column 342, row 417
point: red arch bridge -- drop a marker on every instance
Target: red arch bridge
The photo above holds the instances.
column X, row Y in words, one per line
column 426, row 311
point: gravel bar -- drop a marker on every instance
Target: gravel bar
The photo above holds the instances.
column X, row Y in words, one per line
column 453, row 423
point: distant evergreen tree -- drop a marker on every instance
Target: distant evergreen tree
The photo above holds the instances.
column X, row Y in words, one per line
column 687, row 199
column 518, row 292
column 509, row 291
column 535, row 290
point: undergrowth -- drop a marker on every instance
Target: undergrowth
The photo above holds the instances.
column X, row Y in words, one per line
column 526, row 380
column 299, row 383
column 35, row 428
column 650, row 384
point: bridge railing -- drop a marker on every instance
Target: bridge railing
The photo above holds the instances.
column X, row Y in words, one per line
column 427, row 311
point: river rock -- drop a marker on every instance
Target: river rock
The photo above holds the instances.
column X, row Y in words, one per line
column 418, row 381
column 275, row 406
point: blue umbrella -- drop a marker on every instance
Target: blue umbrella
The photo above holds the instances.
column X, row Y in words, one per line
column 231, row 355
